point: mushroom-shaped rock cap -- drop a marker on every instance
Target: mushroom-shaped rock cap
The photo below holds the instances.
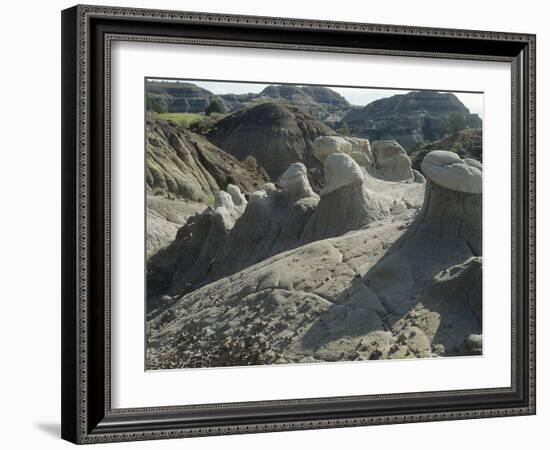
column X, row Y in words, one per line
column 448, row 170
column 294, row 182
column 340, row 170
column 236, row 194
column 223, row 200
column 296, row 173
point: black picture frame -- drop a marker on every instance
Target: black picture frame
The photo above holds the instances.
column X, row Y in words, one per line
column 87, row 33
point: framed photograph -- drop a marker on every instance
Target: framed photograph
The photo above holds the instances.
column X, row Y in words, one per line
column 279, row 224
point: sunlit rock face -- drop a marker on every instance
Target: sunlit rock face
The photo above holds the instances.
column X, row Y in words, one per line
column 346, row 203
column 448, row 170
column 369, row 269
column 391, row 161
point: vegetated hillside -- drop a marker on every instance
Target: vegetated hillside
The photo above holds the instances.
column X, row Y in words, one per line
column 466, row 143
column 275, row 134
column 183, row 172
column 411, row 118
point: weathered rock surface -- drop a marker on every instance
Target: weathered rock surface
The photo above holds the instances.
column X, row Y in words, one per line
column 164, row 217
column 274, row 221
column 175, row 96
column 358, row 149
column 346, row 203
column 391, row 161
column 238, row 235
column 183, row 172
column 407, row 285
column 409, row 118
column 188, row 166
column 466, row 143
column 448, row 170
column 275, row 134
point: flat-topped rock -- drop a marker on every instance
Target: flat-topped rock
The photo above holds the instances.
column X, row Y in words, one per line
column 448, row 170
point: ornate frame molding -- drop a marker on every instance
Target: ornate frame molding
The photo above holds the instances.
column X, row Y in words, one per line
column 80, row 418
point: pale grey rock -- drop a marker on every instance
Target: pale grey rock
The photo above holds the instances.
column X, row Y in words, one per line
column 391, row 161
column 236, row 195
column 474, row 342
column 165, row 215
column 360, row 145
column 223, row 200
column 257, row 195
column 359, row 149
column 448, row 170
column 294, row 182
column 346, row 204
column 324, row 146
column 405, row 284
column 437, row 264
column 269, row 188
column 340, row 170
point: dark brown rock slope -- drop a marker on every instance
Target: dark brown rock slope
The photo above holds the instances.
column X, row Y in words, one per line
column 276, row 135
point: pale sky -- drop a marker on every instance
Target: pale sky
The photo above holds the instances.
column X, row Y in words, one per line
column 355, row 96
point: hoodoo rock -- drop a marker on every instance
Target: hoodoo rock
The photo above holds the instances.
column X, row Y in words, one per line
column 236, row 195
column 346, row 203
column 448, row 170
column 240, row 233
column 358, row 149
column 186, row 260
column 295, row 183
column 324, row 146
column 442, row 245
column 391, row 161
column 391, row 290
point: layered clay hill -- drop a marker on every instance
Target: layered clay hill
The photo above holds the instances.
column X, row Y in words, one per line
column 382, row 263
column 175, row 96
column 183, row 173
column 412, row 118
column 275, row 134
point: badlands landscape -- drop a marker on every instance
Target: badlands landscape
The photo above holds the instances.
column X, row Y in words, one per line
column 289, row 226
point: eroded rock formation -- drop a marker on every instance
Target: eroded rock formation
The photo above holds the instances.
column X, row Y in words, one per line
column 391, row 161
column 183, row 172
column 346, row 203
column 276, row 135
column 408, row 285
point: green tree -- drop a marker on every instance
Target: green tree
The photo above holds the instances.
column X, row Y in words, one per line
column 153, row 104
column 456, row 123
column 215, row 106
column 344, row 129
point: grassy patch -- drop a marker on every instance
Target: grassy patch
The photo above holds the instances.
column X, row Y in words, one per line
column 182, row 119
